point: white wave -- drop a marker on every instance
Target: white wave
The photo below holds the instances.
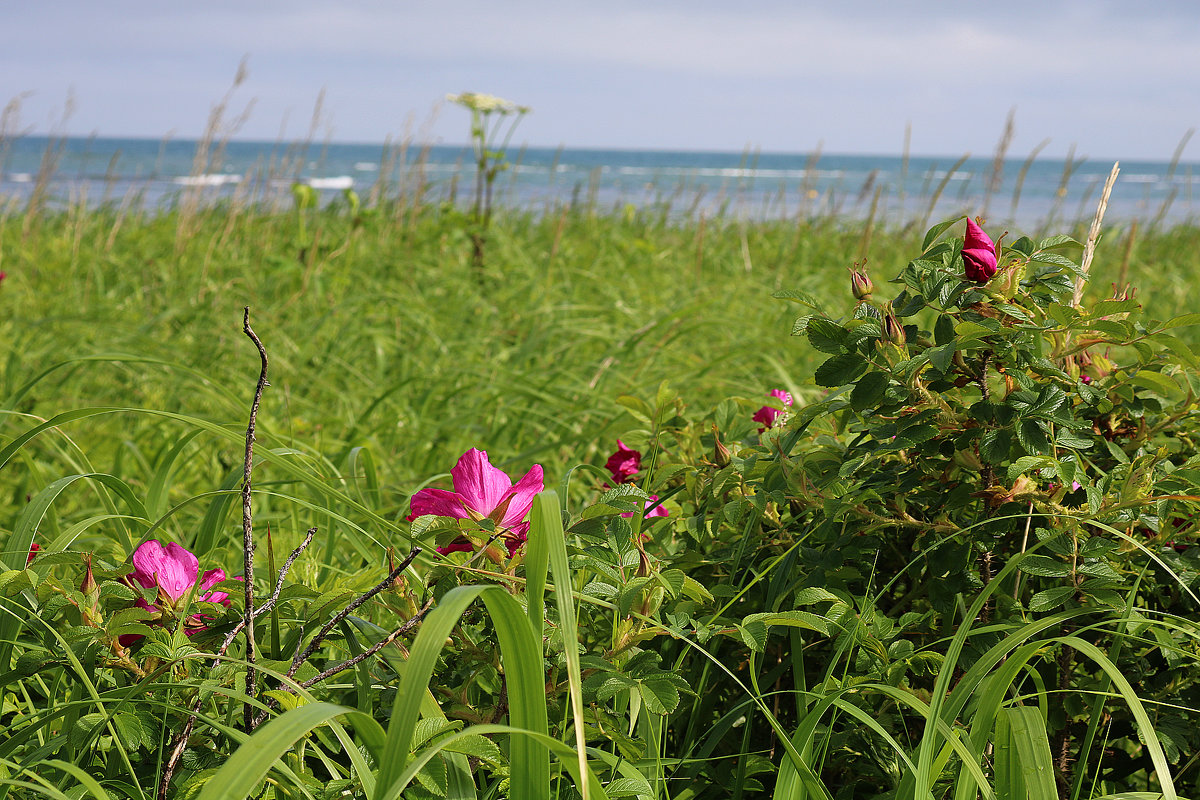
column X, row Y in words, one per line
column 366, row 166
column 21, row 177
column 338, row 182
column 207, row 180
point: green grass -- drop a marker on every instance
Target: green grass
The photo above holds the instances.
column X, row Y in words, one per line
column 391, row 355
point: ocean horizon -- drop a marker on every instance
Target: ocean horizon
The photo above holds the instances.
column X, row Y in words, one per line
column 1022, row 191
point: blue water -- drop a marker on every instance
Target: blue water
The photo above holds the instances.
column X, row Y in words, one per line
column 1026, row 194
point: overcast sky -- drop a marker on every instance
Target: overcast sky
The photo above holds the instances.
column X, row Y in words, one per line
column 1116, row 79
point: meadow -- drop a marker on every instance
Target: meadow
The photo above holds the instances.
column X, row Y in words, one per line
column 807, row 620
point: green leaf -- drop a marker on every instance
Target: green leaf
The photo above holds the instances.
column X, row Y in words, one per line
column 1157, row 382
column 942, row 356
column 826, row 335
column 1051, row 599
column 936, row 231
column 1044, row 567
column 840, row 370
column 1182, row 320
column 868, row 390
column 660, row 694
column 995, row 444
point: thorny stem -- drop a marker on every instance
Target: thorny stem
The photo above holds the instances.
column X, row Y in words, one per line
column 247, row 522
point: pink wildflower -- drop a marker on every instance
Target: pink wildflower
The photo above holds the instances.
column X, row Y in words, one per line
column 656, row 511
column 173, row 570
column 482, row 491
column 767, row 415
column 624, row 464
column 33, row 548
column 979, row 254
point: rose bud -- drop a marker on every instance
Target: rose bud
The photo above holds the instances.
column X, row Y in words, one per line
column 979, row 254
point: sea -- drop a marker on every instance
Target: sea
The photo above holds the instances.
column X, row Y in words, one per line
column 1030, row 193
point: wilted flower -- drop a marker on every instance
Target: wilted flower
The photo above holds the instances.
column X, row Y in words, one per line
column 624, row 464
column 768, row 415
column 860, row 282
column 979, row 254
column 482, row 491
column 173, row 570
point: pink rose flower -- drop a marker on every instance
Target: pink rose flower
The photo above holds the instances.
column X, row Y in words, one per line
column 173, row 570
column 482, row 491
column 767, row 415
column 979, row 254
column 624, row 464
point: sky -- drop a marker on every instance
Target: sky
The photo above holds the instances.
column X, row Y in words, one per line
column 1110, row 79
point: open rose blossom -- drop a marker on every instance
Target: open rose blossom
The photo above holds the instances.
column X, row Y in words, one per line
column 979, row 254
column 173, row 570
column 482, row 491
column 767, row 415
column 624, row 464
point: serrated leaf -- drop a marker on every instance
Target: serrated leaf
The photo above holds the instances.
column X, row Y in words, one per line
column 1044, row 567
column 754, row 635
column 1051, row 599
column 942, row 355
column 790, row 619
column 813, row 594
column 994, row 445
column 1032, row 436
column 826, row 335
column 840, row 370
column 476, row 746
column 660, row 695
column 868, row 390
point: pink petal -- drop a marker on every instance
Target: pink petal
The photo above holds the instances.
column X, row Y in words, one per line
column 522, row 497
column 172, row 568
column 624, row 464
column 210, row 579
column 657, row 511
column 438, row 502
column 479, row 485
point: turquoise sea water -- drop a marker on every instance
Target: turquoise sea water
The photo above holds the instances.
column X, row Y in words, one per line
column 1025, row 193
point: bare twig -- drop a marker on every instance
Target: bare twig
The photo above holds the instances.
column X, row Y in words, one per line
column 247, row 521
column 407, row 626
column 267, row 606
column 345, row 612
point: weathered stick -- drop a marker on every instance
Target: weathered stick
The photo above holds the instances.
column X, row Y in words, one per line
column 248, row 524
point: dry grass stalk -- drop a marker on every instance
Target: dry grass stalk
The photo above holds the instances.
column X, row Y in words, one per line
column 997, row 175
column 1089, row 249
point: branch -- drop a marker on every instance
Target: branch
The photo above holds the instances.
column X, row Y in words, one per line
column 247, row 521
column 345, row 612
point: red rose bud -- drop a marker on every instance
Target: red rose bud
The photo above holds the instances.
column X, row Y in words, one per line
column 860, row 282
column 979, row 254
